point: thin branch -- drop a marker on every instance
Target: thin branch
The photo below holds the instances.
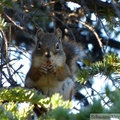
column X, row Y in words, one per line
column 12, row 83
column 6, row 63
column 1, row 59
column 92, row 29
column 105, row 32
column 6, row 48
column 53, row 15
column 21, row 52
column 22, row 28
column 100, row 96
column 16, row 71
column 115, row 8
column 6, row 44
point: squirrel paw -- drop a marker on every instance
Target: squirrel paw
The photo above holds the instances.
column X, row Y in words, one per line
column 47, row 69
column 51, row 69
column 43, row 69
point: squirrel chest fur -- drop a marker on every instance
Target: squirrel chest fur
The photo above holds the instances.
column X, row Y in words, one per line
column 49, row 71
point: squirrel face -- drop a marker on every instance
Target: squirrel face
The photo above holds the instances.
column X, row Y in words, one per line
column 49, row 49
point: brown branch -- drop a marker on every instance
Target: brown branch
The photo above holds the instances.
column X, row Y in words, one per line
column 6, row 44
column 92, row 29
column 21, row 28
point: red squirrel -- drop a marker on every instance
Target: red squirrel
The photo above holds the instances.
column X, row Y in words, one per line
column 52, row 71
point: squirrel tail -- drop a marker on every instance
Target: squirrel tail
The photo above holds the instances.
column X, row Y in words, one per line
column 74, row 52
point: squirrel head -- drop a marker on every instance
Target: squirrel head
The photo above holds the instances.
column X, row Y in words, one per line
column 49, row 46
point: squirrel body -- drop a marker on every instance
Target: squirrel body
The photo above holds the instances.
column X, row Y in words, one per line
column 49, row 71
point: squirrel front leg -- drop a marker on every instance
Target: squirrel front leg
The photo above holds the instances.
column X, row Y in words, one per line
column 62, row 73
column 35, row 74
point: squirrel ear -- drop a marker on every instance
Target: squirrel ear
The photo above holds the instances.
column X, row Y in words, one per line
column 40, row 33
column 58, row 33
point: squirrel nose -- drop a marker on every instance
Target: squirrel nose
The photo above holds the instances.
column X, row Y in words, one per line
column 47, row 54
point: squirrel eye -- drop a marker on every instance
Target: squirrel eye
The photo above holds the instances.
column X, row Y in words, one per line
column 39, row 45
column 57, row 46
